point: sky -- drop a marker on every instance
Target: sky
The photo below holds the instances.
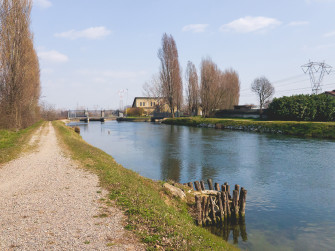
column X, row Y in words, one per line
column 93, row 54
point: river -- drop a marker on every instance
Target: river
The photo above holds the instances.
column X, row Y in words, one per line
column 290, row 181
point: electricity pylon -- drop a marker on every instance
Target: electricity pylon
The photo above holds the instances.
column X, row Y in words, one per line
column 316, row 71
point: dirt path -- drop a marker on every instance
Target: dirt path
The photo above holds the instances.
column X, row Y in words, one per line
column 47, row 203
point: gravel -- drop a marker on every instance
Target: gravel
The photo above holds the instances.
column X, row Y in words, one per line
column 48, row 203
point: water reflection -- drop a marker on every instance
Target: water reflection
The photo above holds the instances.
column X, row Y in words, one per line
column 232, row 229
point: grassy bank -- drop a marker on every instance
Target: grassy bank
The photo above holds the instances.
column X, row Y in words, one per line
column 302, row 129
column 12, row 143
column 160, row 220
column 134, row 119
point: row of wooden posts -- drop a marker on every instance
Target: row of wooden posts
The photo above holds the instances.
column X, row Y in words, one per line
column 215, row 205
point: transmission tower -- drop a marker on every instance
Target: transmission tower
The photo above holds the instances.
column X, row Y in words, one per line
column 316, row 71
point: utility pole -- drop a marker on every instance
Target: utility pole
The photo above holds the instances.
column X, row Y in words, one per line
column 316, row 71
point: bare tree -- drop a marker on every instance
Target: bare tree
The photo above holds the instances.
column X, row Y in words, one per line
column 192, row 90
column 170, row 74
column 218, row 90
column 231, row 85
column 264, row 90
column 153, row 89
column 19, row 67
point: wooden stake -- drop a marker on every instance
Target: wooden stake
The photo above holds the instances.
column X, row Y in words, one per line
column 203, row 209
column 243, row 202
column 199, row 213
column 217, row 186
column 219, row 198
column 202, row 184
column 210, row 184
column 197, row 186
column 236, row 203
column 190, row 184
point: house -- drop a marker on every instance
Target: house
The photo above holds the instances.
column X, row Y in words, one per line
column 243, row 107
column 150, row 104
column 331, row 93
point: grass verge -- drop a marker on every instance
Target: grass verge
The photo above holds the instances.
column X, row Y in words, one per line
column 160, row 220
column 297, row 128
column 12, row 143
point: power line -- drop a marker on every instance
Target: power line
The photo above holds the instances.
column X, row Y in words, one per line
column 280, row 91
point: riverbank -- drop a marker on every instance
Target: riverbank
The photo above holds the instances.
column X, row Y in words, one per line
column 158, row 218
column 12, row 143
column 324, row 130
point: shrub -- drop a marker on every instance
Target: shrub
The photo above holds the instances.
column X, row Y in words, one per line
column 135, row 111
column 303, row 108
column 77, row 129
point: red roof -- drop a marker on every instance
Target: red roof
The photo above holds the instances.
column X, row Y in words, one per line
column 331, row 93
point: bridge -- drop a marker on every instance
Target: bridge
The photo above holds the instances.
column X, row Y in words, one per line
column 91, row 115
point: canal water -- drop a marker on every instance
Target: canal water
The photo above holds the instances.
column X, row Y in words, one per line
column 290, row 181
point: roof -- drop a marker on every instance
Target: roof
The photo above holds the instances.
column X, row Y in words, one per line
column 331, row 93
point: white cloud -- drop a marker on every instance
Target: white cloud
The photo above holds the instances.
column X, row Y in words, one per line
column 298, row 23
column 195, row 28
column 251, row 24
column 43, row 3
column 52, row 56
column 90, row 33
column 330, row 34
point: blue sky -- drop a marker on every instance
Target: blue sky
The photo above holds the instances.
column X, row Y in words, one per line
column 90, row 50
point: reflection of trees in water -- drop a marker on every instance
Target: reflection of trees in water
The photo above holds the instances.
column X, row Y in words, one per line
column 235, row 226
column 171, row 163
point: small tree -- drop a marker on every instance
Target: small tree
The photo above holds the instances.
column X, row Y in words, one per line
column 264, row 89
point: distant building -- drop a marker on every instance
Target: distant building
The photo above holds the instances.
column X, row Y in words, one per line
column 331, row 93
column 243, row 107
column 150, row 104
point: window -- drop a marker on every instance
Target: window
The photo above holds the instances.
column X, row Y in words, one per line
column 151, row 103
column 143, row 103
column 140, row 103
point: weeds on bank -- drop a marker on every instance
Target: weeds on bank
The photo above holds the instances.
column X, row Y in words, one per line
column 160, row 220
column 297, row 128
column 12, row 143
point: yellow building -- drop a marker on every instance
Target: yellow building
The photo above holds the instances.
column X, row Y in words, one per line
column 150, row 104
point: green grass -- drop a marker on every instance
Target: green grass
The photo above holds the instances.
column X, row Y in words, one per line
column 296, row 128
column 156, row 217
column 12, row 143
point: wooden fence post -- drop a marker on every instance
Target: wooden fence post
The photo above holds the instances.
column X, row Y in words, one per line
column 217, row 186
column 202, row 184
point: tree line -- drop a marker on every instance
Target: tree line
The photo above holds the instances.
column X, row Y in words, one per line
column 19, row 66
column 214, row 89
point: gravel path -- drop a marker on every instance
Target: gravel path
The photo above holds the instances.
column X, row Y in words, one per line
column 47, row 203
